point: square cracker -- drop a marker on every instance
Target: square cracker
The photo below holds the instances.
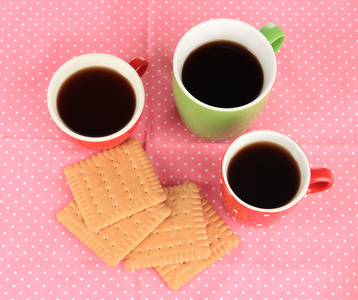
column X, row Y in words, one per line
column 113, row 243
column 114, row 184
column 180, row 238
column 221, row 239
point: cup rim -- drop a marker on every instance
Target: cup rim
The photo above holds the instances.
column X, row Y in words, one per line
column 52, row 93
column 197, row 27
column 262, row 135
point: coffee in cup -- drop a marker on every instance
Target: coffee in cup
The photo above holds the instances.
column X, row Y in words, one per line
column 97, row 99
column 223, row 72
column 265, row 174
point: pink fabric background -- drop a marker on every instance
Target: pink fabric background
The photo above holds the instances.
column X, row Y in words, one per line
column 312, row 254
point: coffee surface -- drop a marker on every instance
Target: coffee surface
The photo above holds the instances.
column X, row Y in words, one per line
column 96, row 101
column 223, row 74
column 264, row 175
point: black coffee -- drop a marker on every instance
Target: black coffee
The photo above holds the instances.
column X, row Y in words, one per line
column 223, row 74
column 96, row 101
column 264, row 175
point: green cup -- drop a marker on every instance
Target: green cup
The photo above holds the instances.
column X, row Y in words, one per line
column 217, row 123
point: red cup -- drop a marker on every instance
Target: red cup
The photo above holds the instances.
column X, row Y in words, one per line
column 132, row 71
column 312, row 180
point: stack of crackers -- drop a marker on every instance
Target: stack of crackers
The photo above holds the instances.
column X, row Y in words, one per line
column 121, row 211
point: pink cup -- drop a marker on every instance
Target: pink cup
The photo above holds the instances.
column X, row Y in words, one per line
column 132, row 71
column 312, row 180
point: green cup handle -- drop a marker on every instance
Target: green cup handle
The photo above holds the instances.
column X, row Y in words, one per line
column 274, row 35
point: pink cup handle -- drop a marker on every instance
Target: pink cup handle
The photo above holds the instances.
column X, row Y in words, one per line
column 321, row 179
column 139, row 64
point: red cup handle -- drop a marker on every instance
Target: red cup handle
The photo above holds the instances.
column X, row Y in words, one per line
column 139, row 64
column 321, row 179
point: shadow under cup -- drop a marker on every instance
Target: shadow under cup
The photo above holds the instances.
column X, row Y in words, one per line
column 217, row 123
column 98, row 60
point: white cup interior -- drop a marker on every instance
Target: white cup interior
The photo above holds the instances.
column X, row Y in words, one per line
column 90, row 60
column 232, row 30
column 283, row 141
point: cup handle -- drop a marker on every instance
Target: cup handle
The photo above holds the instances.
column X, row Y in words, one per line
column 274, row 35
column 139, row 64
column 321, row 179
